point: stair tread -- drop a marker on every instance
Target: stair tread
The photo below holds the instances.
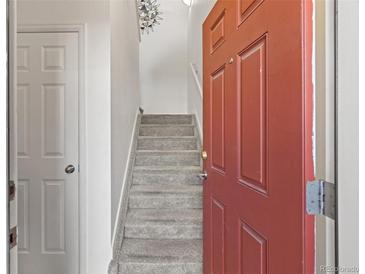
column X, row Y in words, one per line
column 164, row 189
column 163, row 143
column 167, row 119
column 166, row 168
column 167, row 115
column 167, row 125
column 165, row 223
column 144, row 137
column 161, row 251
column 167, row 130
column 164, row 217
column 171, row 175
column 167, row 157
column 148, row 151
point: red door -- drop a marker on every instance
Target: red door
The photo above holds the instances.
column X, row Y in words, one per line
column 257, row 134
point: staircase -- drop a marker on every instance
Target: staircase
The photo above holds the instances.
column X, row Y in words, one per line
column 163, row 229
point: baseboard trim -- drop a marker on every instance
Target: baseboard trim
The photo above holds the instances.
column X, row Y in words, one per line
column 118, row 232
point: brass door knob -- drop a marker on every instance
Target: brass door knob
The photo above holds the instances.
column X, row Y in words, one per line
column 204, row 155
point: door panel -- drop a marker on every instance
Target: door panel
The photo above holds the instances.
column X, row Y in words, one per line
column 218, row 115
column 218, row 235
column 252, row 115
column 245, row 8
column 257, row 132
column 48, row 142
column 253, row 251
column 23, row 216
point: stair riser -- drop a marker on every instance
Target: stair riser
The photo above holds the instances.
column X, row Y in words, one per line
column 166, row 131
column 146, row 268
column 194, row 201
column 164, row 232
column 167, row 144
column 190, row 179
column 168, row 159
column 167, row 119
column 113, row 267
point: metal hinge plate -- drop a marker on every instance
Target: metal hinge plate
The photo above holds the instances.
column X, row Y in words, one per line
column 13, row 237
column 321, row 198
column 11, row 190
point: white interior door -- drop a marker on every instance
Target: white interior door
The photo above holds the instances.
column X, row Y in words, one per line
column 47, row 127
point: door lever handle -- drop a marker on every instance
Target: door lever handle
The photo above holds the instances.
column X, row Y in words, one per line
column 203, row 175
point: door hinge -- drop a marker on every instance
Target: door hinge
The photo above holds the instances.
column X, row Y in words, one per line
column 13, row 237
column 321, row 198
column 11, row 190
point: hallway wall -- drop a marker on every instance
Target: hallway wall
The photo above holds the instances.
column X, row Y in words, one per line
column 95, row 223
column 125, row 95
column 198, row 11
column 163, row 61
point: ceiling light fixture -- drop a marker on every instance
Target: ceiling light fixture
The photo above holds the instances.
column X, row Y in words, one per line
column 149, row 14
column 187, row 2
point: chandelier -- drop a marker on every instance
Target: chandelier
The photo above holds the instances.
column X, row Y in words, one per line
column 149, row 14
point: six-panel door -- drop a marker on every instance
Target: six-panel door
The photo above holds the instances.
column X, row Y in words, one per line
column 257, row 132
column 47, row 120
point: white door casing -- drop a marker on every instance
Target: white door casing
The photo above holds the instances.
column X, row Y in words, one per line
column 325, row 126
column 47, row 127
column 347, row 93
column 13, row 170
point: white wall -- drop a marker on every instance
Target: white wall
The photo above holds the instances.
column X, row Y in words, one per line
column 125, row 90
column 348, row 132
column 163, row 62
column 198, row 11
column 96, row 220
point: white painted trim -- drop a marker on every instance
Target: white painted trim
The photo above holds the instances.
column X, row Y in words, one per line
column 83, row 211
column 200, row 90
column 324, row 131
column 347, row 92
column 362, row 132
column 4, row 254
column 12, row 107
column 196, row 78
column 77, row 27
column 125, row 178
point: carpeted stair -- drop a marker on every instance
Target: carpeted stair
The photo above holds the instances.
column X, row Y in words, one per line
column 163, row 228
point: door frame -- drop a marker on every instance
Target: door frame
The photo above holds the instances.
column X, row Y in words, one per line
column 80, row 29
column 336, row 139
column 324, row 73
column 347, row 134
column 12, row 126
column 5, row 28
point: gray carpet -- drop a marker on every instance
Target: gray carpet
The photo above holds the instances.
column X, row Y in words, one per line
column 163, row 228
